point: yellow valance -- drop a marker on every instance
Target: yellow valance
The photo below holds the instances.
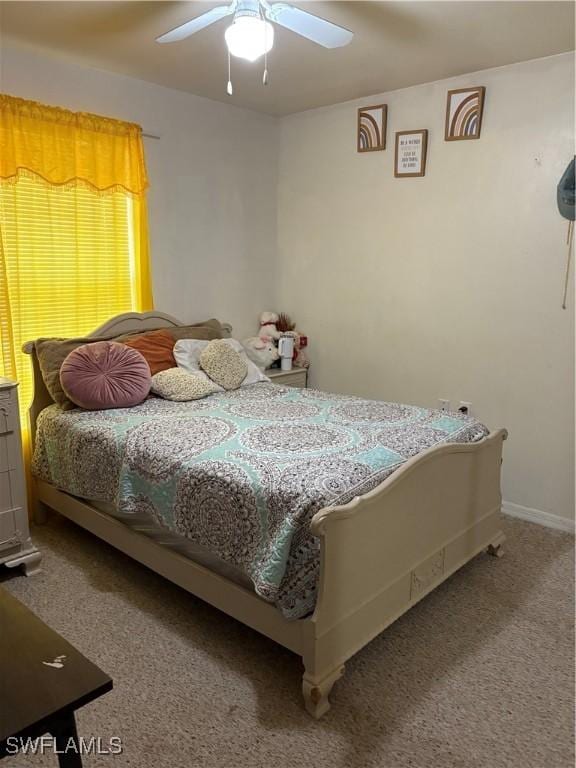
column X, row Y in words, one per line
column 66, row 148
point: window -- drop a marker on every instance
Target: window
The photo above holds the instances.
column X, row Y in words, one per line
column 73, row 227
column 69, row 265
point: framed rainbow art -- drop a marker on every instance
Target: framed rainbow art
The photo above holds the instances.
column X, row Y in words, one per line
column 464, row 113
column 372, row 128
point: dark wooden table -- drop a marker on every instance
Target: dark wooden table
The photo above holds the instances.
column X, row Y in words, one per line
column 43, row 681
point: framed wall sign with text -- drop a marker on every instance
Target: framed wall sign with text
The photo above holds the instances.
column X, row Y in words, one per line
column 410, row 157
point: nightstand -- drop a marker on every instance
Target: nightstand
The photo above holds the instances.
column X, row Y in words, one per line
column 16, row 546
column 297, row 377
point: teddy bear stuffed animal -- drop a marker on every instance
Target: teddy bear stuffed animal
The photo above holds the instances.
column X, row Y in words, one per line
column 261, row 350
column 268, row 322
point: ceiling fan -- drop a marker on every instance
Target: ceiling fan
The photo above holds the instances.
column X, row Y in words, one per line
column 251, row 35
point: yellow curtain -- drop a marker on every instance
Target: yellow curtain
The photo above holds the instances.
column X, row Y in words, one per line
column 68, row 148
column 73, row 228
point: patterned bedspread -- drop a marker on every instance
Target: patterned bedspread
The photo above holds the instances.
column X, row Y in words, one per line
column 242, row 473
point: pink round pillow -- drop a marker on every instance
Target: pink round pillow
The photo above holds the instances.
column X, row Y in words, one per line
column 105, row 374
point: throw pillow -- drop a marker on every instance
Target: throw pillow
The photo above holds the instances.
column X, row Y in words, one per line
column 156, row 348
column 179, row 385
column 105, row 375
column 223, row 364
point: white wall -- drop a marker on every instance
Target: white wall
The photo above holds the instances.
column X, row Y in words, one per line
column 450, row 285
column 213, row 175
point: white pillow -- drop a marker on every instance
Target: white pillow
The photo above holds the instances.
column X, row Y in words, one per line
column 187, row 355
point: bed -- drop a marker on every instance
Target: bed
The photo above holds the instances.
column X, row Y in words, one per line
column 321, row 578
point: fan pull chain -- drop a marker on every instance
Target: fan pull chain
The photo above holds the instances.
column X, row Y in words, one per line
column 569, row 240
column 265, row 74
column 229, row 89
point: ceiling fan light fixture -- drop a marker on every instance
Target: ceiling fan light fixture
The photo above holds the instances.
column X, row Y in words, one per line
column 249, row 37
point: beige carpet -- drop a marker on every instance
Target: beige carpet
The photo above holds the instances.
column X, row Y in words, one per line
column 478, row 675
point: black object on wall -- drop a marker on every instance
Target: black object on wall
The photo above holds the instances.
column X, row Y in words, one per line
column 565, row 195
column 566, row 192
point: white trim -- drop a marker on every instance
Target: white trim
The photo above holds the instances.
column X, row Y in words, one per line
column 538, row 516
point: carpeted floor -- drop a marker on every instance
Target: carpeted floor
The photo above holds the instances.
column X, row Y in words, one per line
column 477, row 675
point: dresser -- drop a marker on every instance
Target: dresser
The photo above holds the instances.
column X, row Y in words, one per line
column 296, row 377
column 16, row 547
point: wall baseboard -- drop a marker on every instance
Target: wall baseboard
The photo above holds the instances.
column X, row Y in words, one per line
column 539, row 517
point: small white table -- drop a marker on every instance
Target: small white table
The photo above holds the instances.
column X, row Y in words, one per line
column 16, row 547
column 296, row 377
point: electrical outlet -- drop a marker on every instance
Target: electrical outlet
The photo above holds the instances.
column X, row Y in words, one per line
column 444, row 405
column 465, row 408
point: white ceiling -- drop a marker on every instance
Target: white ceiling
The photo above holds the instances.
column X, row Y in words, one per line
column 396, row 44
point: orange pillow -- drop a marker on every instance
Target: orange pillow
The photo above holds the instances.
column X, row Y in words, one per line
column 156, row 348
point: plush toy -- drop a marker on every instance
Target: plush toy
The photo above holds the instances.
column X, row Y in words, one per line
column 301, row 355
column 261, row 350
column 268, row 322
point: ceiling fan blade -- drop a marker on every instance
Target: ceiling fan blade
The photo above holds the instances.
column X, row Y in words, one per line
column 306, row 24
column 195, row 25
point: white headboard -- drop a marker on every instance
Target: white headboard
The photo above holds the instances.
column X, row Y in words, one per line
column 133, row 322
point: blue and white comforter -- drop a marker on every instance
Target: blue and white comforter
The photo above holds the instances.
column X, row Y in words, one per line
column 242, row 473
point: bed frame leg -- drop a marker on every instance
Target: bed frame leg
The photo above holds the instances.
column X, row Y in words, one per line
column 316, row 692
column 496, row 548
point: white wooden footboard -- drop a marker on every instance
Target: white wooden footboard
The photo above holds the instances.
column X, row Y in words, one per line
column 384, row 551
column 380, row 554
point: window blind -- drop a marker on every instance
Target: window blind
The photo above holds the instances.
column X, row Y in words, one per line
column 67, row 266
